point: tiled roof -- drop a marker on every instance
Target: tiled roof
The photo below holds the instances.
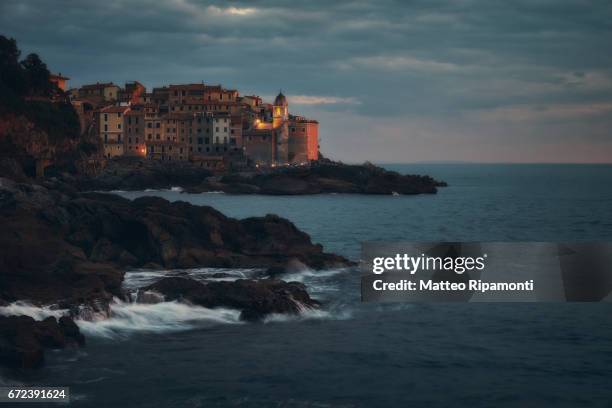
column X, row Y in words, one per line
column 115, row 109
column 98, row 85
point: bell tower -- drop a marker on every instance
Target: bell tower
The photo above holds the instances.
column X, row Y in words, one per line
column 280, row 123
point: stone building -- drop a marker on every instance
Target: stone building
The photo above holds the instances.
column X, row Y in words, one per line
column 99, row 93
column 134, row 132
column 110, row 128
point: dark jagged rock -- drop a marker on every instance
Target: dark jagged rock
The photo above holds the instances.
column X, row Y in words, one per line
column 72, row 248
column 23, row 339
column 254, row 298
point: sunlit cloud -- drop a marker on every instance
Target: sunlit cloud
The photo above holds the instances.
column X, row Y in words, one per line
column 232, row 11
column 321, row 100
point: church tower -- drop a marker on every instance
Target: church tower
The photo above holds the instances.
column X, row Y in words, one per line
column 280, row 123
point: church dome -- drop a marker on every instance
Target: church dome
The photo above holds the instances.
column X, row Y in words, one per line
column 280, row 99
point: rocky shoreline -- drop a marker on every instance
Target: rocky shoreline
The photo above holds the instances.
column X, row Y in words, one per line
column 318, row 178
column 71, row 249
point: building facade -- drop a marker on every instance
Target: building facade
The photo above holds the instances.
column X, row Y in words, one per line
column 206, row 124
column 110, row 122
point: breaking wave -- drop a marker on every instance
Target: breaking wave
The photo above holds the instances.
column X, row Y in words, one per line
column 36, row 312
column 127, row 318
column 160, row 317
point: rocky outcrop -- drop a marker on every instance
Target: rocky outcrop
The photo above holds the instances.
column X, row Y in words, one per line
column 41, row 134
column 328, row 177
column 254, row 298
column 132, row 173
column 23, row 339
column 61, row 246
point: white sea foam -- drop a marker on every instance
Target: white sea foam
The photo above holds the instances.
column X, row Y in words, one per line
column 176, row 189
column 36, row 312
column 308, row 313
column 140, row 278
column 160, row 317
column 307, row 275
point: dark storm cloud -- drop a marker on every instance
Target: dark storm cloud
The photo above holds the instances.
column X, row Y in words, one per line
column 393, row 78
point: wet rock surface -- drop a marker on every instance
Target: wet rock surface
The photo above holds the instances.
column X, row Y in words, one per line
column 254, row 298
column 23, row 339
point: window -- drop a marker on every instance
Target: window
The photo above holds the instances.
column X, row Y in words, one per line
column 150, row 136
column 225, row 129
column 118, row 125
column 106, row 128
column 207, row 140
column 217, row 129
column 149, row 125
column 200, row 140
column 105, row 117
column 157, row 125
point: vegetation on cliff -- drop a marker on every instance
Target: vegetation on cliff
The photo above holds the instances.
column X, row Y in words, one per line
column 37, row 122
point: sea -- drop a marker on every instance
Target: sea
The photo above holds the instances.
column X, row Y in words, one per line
column 353, row 354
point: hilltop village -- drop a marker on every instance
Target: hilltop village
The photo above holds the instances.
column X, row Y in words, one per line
column 207, row 125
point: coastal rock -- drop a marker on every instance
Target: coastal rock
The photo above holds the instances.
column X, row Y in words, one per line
column 72, row 248
column 324, row 177
column 131, row 173
column 23, row 339
column 254, row 298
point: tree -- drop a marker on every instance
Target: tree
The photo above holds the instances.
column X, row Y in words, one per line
column 37, row 75
column 12, row 79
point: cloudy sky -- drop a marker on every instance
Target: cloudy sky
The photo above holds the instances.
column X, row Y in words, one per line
column 389, row 81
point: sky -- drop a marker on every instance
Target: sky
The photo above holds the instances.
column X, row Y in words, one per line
column 388, row 80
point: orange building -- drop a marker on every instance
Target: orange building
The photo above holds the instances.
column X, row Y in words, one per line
column 303, row 139
column 60, row 81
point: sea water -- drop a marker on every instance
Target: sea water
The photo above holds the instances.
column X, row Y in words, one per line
column 369, row 355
